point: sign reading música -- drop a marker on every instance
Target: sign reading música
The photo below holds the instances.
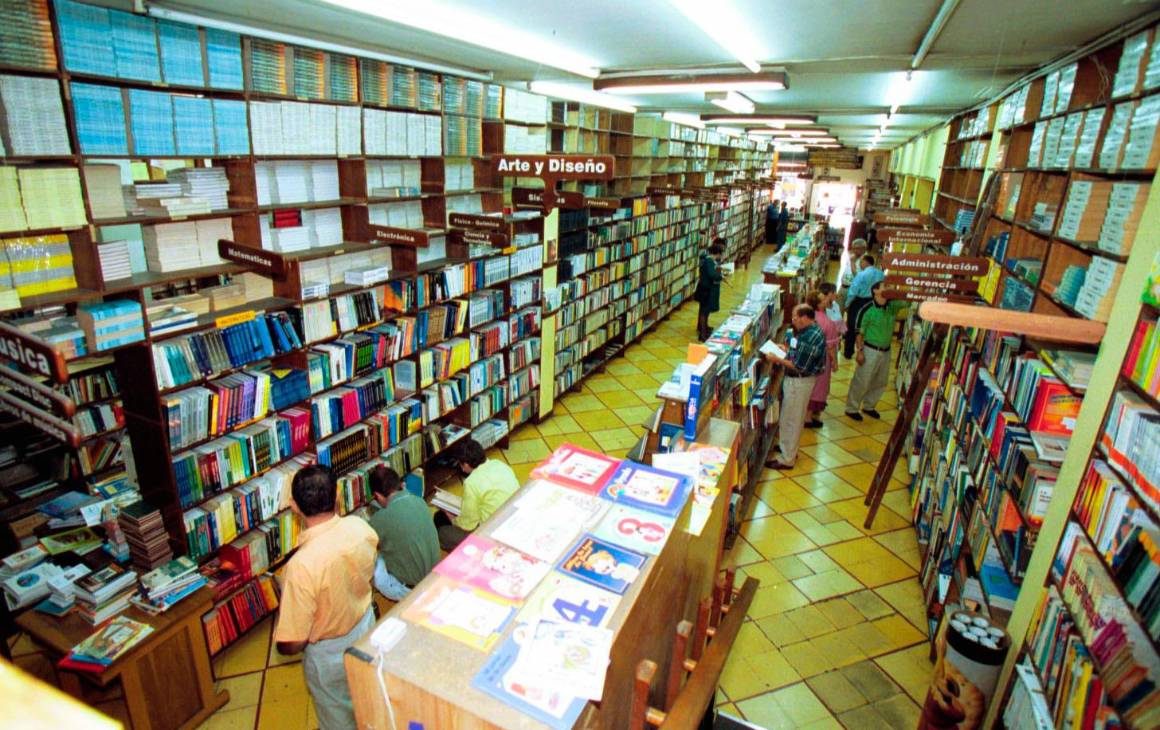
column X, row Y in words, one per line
column 39, row 394
column 935, row 264
column 32, row 353
column 61, row 430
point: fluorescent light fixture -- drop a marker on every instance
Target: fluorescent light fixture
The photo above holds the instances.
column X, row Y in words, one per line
column 824, row 146
column 731, row 101
column 259, row 32
column 692, row 82
column 893, row 109
column 797, row 132
column 690, row 120
column 780, row 147
column 728, row 132
column 725, row 25
column 473, row 29
column 580, row 94
column 757, row 119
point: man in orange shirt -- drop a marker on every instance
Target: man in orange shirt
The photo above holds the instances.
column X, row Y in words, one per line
column 326, row 594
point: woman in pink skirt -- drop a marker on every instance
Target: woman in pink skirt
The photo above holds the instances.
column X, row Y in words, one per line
column 829, row 318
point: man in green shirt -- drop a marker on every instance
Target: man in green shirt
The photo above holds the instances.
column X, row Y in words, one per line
column 487, row 485
column 872, row 353
column 408, row 543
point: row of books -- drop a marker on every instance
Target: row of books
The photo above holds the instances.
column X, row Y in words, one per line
column 33, row 198
column 304, row 73
column 92, row 385
column 32, row 122
column 287, row 182
column 217, row 407
column 1131, row 440
column 402, row 134
column 229, row 620
column 27, row 39
column 99, row 418
column 1142, row 361
column 300, row 128
column 344, row 406
column 188, row 358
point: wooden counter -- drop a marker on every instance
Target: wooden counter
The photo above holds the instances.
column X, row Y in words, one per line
column 167, row 679
column 428, row 676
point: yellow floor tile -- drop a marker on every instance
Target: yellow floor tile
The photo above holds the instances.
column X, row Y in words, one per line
column 779, row 631
column 836, row 692
column 838, row 649
column 576, row 403
column 899, row 711
column 523, row 452
column 248, row 654
column 750, row 640
column 874, row 573
column 807, row 659
column 792, row 567
column 810, row 621
column 639, row 380
column 830, row 455
column 525, row 432
column 635, row 415
column 743, row 554
column 905, row 596
column 748, row 676
column 840, row 613
column 245, row 690
column 864, row 718
column 827, row 585
column 615, row 438
column 598, row 420
column 776, row 599
column 869, row 604
column 910, row 668
column 224, row 719
column 619, row 399
column 559, row 423
column 868, row 638
column 874, row 684
column 285, row 700
column 620, row 367
column 818, row 561
column 898, row 631
column 764, row 573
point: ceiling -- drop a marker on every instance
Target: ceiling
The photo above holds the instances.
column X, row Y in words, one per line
column 846, row 59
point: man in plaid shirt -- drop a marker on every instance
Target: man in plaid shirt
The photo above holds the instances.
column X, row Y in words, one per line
column 805, row 358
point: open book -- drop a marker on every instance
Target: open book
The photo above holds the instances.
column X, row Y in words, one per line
column 450, row 503
column 771, row 348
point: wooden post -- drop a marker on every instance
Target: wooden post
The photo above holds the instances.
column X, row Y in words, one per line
column 640, row 689
column 677, row 662
column 702, row 630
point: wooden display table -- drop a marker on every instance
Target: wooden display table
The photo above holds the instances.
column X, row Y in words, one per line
column 428, row 676
column 167, row 678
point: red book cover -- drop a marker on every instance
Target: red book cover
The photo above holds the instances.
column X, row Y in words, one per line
column 1134, row 349
column 578, row 468
column 1055, row 409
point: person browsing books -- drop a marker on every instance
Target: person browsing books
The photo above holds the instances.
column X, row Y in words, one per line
column 326, row 593
column 708, row 292
column 487, row 485
column 804, row 360
column 408, row 542
column 858, row 297
column 875, row 333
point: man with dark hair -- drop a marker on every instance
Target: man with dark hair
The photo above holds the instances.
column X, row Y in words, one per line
column 858, row 297
column 782, row 224
column 875, row 334
column 326, row 593
column 408, row 543
column 487, row 484
column 771, row 222
column 708, row 292
column 805, row 358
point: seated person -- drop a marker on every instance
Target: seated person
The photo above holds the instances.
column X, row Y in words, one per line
column 408, row 543
column 487, row 484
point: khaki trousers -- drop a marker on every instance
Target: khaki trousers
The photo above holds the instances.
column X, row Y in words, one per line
column 869, row 381
column 795, row 402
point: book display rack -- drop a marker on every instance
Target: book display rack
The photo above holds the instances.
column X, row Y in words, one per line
column 314, row 262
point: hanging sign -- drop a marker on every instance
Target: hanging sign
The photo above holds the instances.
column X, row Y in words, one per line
column 924, row 296
column 476, row 221
column 941, row 237
column 936, row 264
column 258, row 260
column 399, row 236
column 42, row 420
column 483, row 238
column 37, row 392
column 32, row 353
column 553, row 168
column 533, row 198
column 603, row 203
column 926, row 283
column 901, row 217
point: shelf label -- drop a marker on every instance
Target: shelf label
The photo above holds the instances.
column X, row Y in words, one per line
column 37, row 392
column 483, row 238
column 32, row 353
column 400, row 236
column 916, row 235
column 258, row 260
column 474, row 220
column 603, row 203
column 61, row 430
column 967, row 286
column 924, row 296
column 936, row 264
column 231, row 319
column 553, row 168
column 533, row 198
column 901, row 217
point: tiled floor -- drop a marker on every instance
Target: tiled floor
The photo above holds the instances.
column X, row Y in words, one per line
column 835, row 635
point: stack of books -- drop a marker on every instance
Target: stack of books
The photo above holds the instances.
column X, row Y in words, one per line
column 148, row 540
column 1094, row 300
column 106, row 197
column 105, row 593
column 171, row 247
column 227, row 622
column 115, row 260
column 51, row 197
column 100, row 119
column 166, row 585
column 203, row 183
column 104, row 647
column 32, row 116
column 111, row 324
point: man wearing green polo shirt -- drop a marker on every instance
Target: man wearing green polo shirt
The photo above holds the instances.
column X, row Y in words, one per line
column 408, row 543
column 872, row 353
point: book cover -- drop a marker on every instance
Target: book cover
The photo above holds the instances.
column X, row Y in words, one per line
column 564, row 657
column 461, row 612
column 562, row 598
column 554, row 709
column 485, row 564
column 547, row 519
column 649, row 489
column 602, row 564
column 578, row 468
column 635, row 529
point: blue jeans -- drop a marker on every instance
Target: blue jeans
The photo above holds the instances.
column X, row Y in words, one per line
column 387, row 584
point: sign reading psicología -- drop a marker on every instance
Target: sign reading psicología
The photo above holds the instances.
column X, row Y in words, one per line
column 936, row 264
column 553, row 168
column 256, row 259
column 32, row 353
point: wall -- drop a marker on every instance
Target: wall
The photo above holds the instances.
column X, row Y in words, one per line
column 857, row 177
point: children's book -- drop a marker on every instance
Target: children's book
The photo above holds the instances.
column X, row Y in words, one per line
column 461, row 612
column 111, row 641
column 490, row 566
column 577, row 468
column 635, row 529
column 561, row 598
column 602, row 564
column 547, row 519
column 564, row 657
column 555, row 709
column 637, row 485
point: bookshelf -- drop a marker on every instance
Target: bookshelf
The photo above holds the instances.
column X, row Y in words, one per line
column 1057, row 175
column 315, row 165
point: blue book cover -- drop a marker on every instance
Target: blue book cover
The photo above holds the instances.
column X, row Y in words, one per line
column 223, row 52
column 230, row 127
column 180, row 53
column 135, row 47
column 151, row 119
column 193, row 125
column 602, row 564
column 100, row 119
column 551, row 708
column 84, row 38
column 653, row 490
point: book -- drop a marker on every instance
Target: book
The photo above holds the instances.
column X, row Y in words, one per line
column 461, row 612
column 564, row 657
column 106, row 645
column 482, row 563
column 563, row 598
column 555, row 709
column 547, row 518
column 650, row 489
column 578, row 468
column 635, row 529
column 602, row 564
